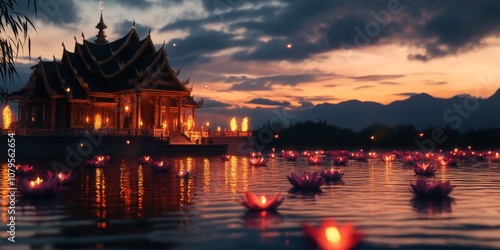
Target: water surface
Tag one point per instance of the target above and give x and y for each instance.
(127, 206)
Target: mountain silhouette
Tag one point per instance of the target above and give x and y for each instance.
(460, 112)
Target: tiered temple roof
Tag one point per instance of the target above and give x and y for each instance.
(126, 64)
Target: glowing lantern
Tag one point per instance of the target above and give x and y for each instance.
(126, 108)
(206, 86)
(7, 117)
(36, 182)
(233, 124)
(289, 46)
(98, 121)
(244, 124)
(330, 236)
(218, 128)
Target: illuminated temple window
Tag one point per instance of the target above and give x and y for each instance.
(7, 117)
(98, 122)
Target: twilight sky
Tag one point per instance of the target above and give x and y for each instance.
(378, 50)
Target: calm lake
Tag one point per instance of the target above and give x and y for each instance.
(127, 206)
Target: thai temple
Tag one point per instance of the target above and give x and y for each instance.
(121, 84)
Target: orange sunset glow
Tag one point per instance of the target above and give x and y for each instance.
(275, 57)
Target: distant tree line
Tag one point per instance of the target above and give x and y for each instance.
(311, 135)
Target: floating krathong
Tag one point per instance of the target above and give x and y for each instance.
(388, 157)
(446, 161)
(329, 236)
(160, 166)
(39, 187)
(253, 202)
(97, 161)
(495, 158)
(257, 161)
(145, 160)
(340, 160)
(426, 169)
(434, 189)
(332, 175)
(24, 169)
(359, 157)
(291, 155)
(184, 174)
(225, 157)
(63, 178)
(307, 181)
(314, 160)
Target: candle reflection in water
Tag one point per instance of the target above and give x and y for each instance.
(140, 191)
(125, 189)
(186, 186)
(206, 175)
(100, 197)
(5, 193)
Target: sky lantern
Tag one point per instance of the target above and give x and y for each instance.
(244, 124)
(233, 124)
(289, 46)
(7, 117)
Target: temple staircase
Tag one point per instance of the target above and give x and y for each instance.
(176, 138)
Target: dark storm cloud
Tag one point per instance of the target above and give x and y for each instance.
(141, 4)
(60, 13)
(129, 3)
(375, 78)
(200, 44)
(268, 102)
(435, 28)
(457, 26)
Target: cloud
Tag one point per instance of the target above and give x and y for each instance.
(436, 29)
(375, 78)
(364, 87)
(211, 104)
(59, 13)
(268, 102)
(124, 26)
(438, 83)
(330, 85)
(408, 94)
(389, 83)
(267, 82)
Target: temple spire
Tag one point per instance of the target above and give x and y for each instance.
(101, 26)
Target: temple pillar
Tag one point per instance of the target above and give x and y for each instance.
(194, 117)
(159, 121)
(168, 117)
(138, 105)
(179, 114)
(133, 113)
(118, 112)
(71, 115)
(53, 113)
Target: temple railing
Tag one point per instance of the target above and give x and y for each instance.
(124, 131)
(81, 131)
